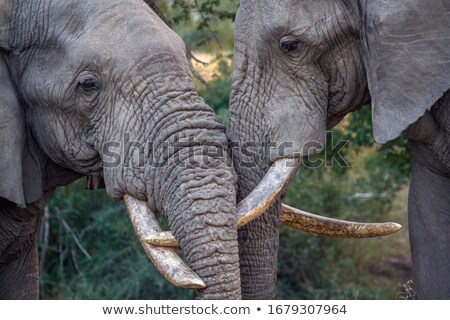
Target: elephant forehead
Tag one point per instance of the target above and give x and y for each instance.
(280, 17)
(110, 25)
(131, 23)
(122, 33)
(273, 10)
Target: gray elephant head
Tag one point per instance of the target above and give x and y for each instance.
(301, 66)
(103, 88)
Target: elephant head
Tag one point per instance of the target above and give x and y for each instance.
(301, 66)
(103, 88)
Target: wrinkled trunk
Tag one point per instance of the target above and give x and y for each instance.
(259, 240)
(258, 243)
(202, 215)
(187, 176)
(196, 191)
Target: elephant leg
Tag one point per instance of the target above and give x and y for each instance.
(19, 267)
(429, 224)
(19, 279)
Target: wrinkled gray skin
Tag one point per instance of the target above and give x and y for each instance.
(78, 74)
(301, 66)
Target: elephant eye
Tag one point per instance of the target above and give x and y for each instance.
(289, 47)
(88, 85)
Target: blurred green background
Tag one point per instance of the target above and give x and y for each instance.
(88, 249)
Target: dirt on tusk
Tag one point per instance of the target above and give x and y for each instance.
(162, 239)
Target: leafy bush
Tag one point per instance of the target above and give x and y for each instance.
(317, 267)
(91, 251)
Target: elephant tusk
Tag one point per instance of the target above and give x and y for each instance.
(162, 239)
(255, 204)
(312, 223)
(267, 191)
(307, 222)
(271, 187)
(166, 260)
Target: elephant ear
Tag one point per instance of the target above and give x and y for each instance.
(20, 177)
(406, 56)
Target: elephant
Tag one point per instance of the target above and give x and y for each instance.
(300, 68)
(103, 89)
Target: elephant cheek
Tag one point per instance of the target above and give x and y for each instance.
(295, 129)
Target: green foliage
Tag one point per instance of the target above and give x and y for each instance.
(317, 267)
(203, 24)
(92, 252)
(391, 164)
(207, 11)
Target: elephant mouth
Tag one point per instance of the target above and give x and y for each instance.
(159, 245)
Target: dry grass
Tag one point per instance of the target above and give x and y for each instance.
(407, 292)
(387, 260)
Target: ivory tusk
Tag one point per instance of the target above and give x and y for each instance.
(254, 205)
(267, 191)
(307, 222)
(162, 239)
(312, 223)
(275, 182)
(166, 260)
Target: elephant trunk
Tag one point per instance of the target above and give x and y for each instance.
(258, 240)
(177, 161)
(202, 216)
(196, 191)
